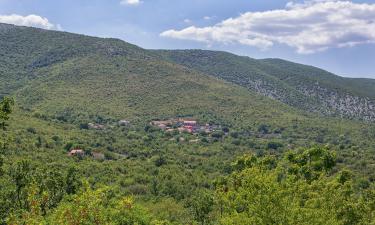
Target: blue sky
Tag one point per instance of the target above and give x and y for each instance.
(328, 37)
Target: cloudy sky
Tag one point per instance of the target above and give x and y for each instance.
(335, 35)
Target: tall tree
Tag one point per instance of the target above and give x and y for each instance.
(5, 109)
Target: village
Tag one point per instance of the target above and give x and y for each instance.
(181, 125)
(188, 125)
(172, 125)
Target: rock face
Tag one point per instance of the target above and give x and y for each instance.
(318, 99)
(341, 104)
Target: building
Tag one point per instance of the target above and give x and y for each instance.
(191, 123)
(162, 124)
(76, 152)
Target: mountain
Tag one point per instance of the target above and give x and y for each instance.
(39, 60)
(74, 79)
(300, 86)
(26, 50)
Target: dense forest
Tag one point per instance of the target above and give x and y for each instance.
(99, 131)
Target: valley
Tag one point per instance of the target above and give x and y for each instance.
(137, 136)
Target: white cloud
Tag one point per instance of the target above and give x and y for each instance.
(309, 27)
(30, 21)
(207, 18)
(131, 2)
(187, 21)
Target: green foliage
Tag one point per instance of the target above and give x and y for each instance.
(85, 208)
(5, 109)
(64, 81)
(73, 182)
(311, 163)
(259, 194)
(304, 87)
(202, 204)
(274, 145)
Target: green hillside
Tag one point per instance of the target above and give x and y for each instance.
(25, 50)
(141, 174)
(75, 79)
(304, 87)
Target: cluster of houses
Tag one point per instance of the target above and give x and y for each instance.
(184, 125)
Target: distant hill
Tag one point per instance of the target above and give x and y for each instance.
(76, 78)
(304, 87)
(24, 51)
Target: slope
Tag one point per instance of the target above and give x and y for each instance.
(73, 79)
(304, 87)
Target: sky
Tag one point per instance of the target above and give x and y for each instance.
(336, 35)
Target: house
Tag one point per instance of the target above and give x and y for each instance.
(192, 123)
(185, 129)
(162, 124)
(76, 152)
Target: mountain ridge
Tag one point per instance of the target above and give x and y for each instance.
(28, 54)
(304, 87)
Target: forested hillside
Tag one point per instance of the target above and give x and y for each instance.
(87, 138)
(304, 87)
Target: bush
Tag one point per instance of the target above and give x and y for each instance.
(31, 130)
(274, 145)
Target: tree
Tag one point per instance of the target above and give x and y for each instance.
(264, 129)
(274, 145)
(21, 177)
(202, 204)
(72, 181)
(260, 191)
(311, 162)
(5, 109)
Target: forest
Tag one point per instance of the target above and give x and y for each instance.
(295, 187)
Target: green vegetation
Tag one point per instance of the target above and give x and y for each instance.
(290, 166)
(298, 189)
(303, 87)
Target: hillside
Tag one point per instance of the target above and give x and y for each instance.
(75, 79)
(304, 87)
(71, 91)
